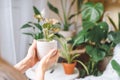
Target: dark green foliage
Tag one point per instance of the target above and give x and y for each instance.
(93, 35)
(36, 11)
(114, 37)
(95, 53)
(53, 8)
(92, 12)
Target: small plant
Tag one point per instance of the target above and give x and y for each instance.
(67, 15)
(69, 54)
(43, 28)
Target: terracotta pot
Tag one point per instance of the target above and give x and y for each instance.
(43, 47)
(69, 68)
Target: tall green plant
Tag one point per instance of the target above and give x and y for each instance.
(93, 35)
(67, 16)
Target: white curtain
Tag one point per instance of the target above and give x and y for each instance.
(6, 31)
(13, 14)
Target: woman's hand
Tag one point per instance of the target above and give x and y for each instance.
(46, 62)
(32, 57)
(30, 60)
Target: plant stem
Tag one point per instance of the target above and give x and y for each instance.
(93, 65)
(69, 10)
(65, 18)
(46, 34)
(119, 21)
(84, 66)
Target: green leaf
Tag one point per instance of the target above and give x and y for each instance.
(95, 53)
(119, 21)
(116, 66)
(72, 3)
(100, 30)
(73, 15)
(111, 36)
(106, 47)
(79, 4)
(112, 22)
(26, 26)
(92, 12)
(84, 66)
(38, 36)
(52, 8)
(36, 11)
(58, 35)
(82, 73)
(47, 25)
(114, 37)
(79, 38)
(38, 26)
(88, 25)
(103, 25)
(74, 56)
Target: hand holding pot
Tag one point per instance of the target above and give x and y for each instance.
(44, 47)
(30, 60)
(46, 62)
(32, 53)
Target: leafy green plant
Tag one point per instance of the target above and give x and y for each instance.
(114, 35)
(69, 54)
(93, 35)
(43, 28)
(92, 12)
(67, 16)
(116, 66)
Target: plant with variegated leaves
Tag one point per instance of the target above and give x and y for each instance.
(42, 29)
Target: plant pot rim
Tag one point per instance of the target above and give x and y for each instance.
(44, 40)
(69, 63)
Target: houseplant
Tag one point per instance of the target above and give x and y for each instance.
(94, 35)
(44, 31)
(67, 15)
(70, 56)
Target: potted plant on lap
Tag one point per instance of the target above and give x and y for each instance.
(44, 31)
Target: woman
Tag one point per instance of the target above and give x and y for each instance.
(8, 72)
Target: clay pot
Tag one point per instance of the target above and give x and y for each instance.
(69, 68)
(43, 47)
